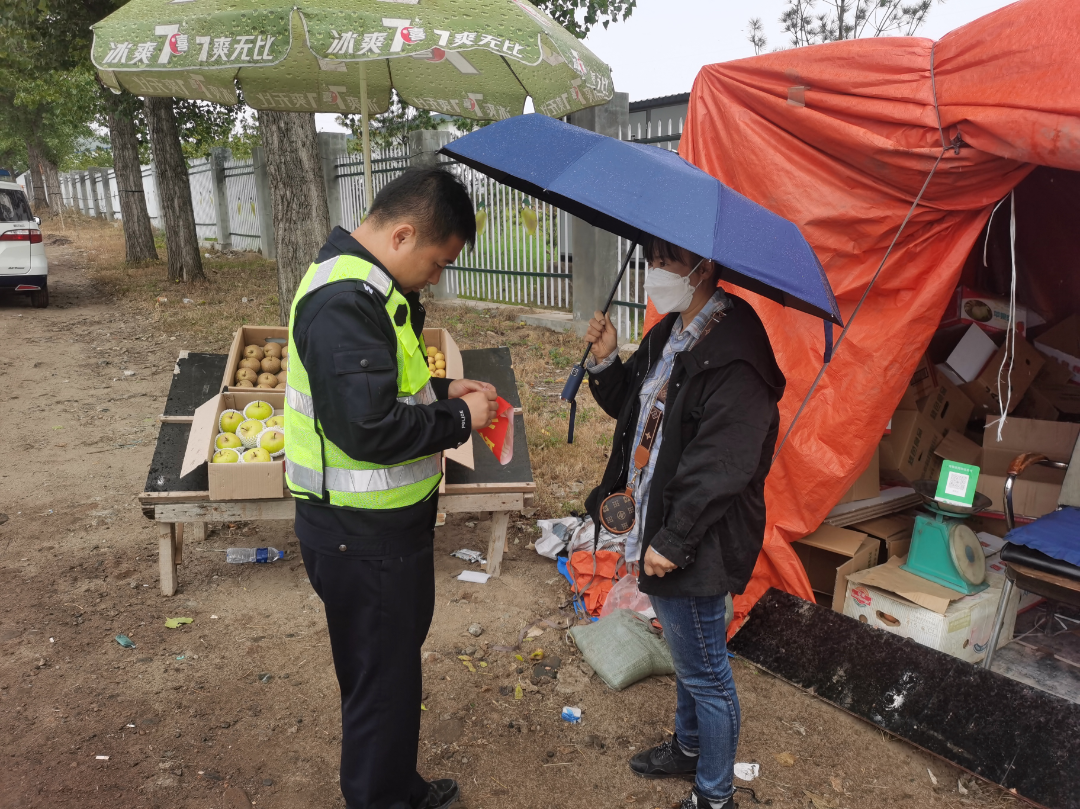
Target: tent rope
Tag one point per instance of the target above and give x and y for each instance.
(933, 89)
(866, 292)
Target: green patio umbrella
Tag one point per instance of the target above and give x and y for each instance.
(471, 58)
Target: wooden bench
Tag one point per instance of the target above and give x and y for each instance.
(181, 506)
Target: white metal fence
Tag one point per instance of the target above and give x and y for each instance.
(200, 177)
(386, 164)
(523, 251)
(243, 202)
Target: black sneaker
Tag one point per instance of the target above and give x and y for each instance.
(442, 792)
(666, 760)
(695, 801)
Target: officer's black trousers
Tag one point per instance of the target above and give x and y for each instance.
(378, 611)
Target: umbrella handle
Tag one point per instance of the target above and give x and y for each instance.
(577, 373)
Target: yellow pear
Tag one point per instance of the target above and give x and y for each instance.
(226, 456)
(276, 421)
(227, 441)
(248, 432)
(257, 455)
(273, 441)
(230, 420)
(258, 410)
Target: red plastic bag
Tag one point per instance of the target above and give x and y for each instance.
(499, 435)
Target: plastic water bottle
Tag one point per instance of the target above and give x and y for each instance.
(238, 556)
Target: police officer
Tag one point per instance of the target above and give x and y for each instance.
(366, 424)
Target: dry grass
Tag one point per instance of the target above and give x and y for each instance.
(542, 358)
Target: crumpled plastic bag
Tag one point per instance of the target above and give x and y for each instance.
(573, 533)
(625, 595)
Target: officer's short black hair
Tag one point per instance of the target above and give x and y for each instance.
(433, 200)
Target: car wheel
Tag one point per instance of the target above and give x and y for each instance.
(40, 298)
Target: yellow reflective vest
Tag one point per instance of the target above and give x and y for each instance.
(314, 465)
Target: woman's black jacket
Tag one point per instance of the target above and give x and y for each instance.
(706, 508)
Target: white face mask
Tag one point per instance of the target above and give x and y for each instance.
(670, 292)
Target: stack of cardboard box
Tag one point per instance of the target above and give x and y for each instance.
(955, 393)
(950, 411)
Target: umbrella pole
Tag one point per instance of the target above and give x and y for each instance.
(577, 373)
(365, 137)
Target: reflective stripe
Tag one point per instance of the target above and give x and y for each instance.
(303, 477)
(377, 278)
(380, 480)
(300, 402)
(322, 273)
(380, 280)
(424, 396)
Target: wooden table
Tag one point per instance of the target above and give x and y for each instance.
(181, 506)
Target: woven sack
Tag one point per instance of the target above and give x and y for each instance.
(622, 648)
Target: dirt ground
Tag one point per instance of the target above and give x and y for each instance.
(244, 700)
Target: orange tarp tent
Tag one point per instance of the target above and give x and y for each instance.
(839, 138)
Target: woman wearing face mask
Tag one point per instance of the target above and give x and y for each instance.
(697, 421)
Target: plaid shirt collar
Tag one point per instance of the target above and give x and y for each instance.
(719, 302)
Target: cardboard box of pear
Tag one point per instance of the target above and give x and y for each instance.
(257, 478)
(258, 358)
(255, 435)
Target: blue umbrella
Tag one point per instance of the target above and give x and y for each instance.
(634, 190)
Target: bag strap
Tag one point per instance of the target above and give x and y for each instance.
(656, 412)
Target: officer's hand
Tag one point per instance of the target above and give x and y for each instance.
(601, 333)
(481, 408)
(459, 387)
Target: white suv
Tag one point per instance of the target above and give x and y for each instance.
(23, 267)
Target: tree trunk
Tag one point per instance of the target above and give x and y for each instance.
(37, 193)
(138, 234)
(52, 186)
(174, 192)
(297, 194)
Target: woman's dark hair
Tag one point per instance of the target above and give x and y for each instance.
(433, 200)
(657, 249)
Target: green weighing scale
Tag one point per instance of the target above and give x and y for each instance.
(943, 548)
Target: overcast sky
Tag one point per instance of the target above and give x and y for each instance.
(660, 49)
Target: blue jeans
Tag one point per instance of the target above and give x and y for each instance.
(707, 714)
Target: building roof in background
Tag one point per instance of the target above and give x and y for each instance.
(659, 101)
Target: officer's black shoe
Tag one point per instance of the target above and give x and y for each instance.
(442, 792)
(697, 801)
(666, 760)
